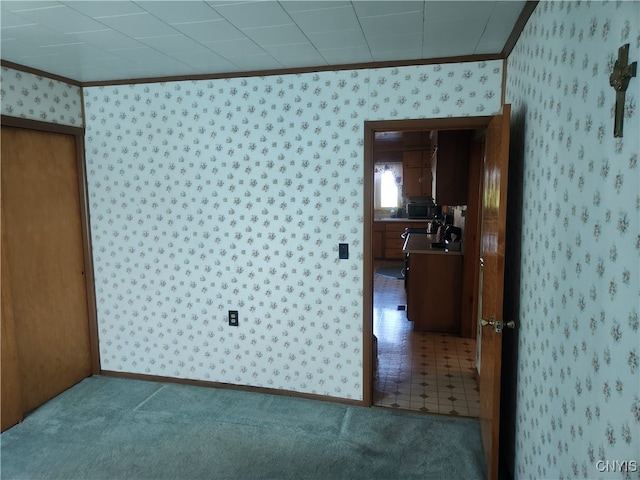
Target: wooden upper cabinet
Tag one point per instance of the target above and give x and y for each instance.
(435, 162)
(417, 174)
(453, 153)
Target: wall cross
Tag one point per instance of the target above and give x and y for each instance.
(619, 80)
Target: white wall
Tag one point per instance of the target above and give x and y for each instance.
(578, 373)
(209, 196)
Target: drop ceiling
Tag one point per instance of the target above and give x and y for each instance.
(102, 41)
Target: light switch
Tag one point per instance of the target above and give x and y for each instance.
(343, 251)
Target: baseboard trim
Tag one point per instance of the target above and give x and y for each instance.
(230, 386)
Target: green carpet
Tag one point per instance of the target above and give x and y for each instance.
(113, 428)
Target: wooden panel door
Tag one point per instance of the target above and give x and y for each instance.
(43, 253)
(494, 213)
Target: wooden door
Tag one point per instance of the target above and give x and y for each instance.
(491, 289)
(43, 267)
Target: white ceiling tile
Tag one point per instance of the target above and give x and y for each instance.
(187, 36)
(178, 12)
(303, 54)
(254, 14)
(62, 19)
(488, 47)
(173, 68)
(263, 61)
(210, 31)
(392, 56)
(11, 20)
(107, 39)
(468, 33)
(306, 5)
(36, 35)
(205, 60)
(172, 44)
(499, 27)
(342, 56)
(22, 6)
(143, 55)
(378, 8)
(411, 42)
(384, 25)
(442, 11)
(138, 25)
(338, 39)
(77, 50)
(235, 48)
(100, 9)
(326, 20)
(276, 35)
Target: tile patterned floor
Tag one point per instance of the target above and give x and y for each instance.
(427, 372)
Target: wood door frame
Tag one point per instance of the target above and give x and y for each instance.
(78, 134)
(370, 127)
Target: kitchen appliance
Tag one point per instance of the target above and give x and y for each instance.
(423, 210)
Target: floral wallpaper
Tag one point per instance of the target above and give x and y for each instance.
(578, 391)
(30, 96)
(210, 196)
(223, 195)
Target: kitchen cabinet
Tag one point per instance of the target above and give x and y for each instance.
(378, 240)
(417, 173)
(393, 242)
(452, 165)
(434, 287)
(387, 242)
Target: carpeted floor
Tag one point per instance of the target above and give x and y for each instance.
(112, 428)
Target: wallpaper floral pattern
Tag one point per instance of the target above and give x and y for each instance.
(210, 196)
(233, 194)
(30, 96)
(578, 374)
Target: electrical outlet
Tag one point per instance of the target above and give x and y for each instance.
(233, 318)
(343, 251)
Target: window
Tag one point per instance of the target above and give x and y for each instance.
(387, 183)
(388, 190)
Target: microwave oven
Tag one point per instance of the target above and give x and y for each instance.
(423, 210)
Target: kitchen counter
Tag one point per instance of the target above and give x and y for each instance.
(421, 243)
(434, 285)
(403, 220)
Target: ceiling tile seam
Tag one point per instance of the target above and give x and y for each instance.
(108, 51)
(229, 58)
(313, 9)
(35, 9)
(144, 45)
(120, 15)
(304, 34)
(195, 22)
(88, 31)
(424, 22)
(19, 26)
(53, 45)
(179, 34)
(475, 49)
(362, 31)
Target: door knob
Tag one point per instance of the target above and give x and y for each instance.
(498, 325)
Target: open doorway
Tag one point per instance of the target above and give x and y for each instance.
(420, 371)
(427, 371)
